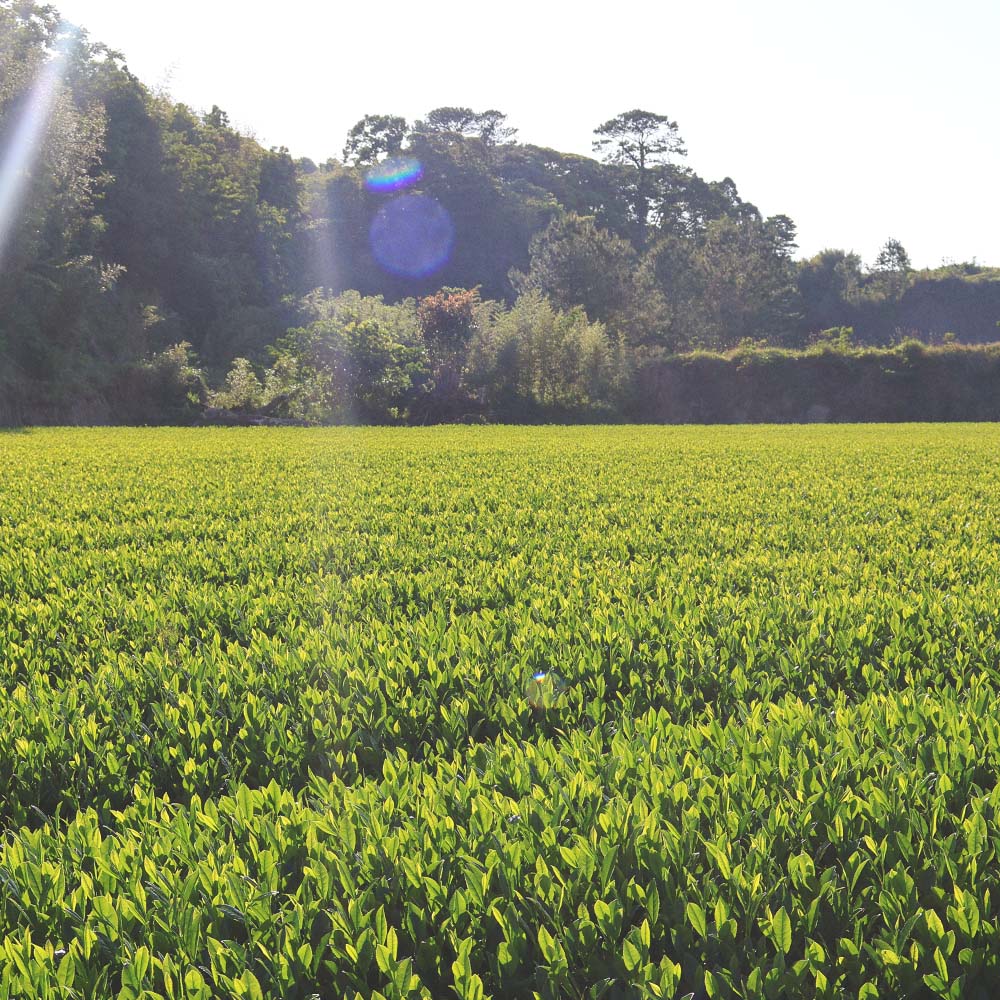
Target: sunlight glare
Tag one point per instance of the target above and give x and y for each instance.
(23, 143)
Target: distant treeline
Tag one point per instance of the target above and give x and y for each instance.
(157, 262)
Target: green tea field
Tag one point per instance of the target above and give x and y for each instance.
(500, 712)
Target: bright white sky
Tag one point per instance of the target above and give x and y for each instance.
(860, 119)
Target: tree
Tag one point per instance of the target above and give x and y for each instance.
(640, 141)
(493, 128)
(217, 118)
(748, 283)
(734, 281)
(444, 120)
(890, 274)
(537, 361)
(574, 263)
(684, 204)
(51, 139)
(892, 257)
(489, 126)
(373, 138)
(359, 360)
(61, 319)
(780, 231)
(829, 286)
(448, 319)
(242, 389)
(540, 180)
(491, 231)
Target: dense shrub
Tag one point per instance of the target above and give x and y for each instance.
(167, 388)
(829, 381)
(359, 361)
(535, 361)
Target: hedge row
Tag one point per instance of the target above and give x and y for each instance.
(909, 382)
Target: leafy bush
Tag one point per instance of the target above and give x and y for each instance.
(360, 360)
(534, 360)
(242, 389)
(169, 387)
(448, 321)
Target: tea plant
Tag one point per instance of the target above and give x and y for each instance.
(497, 712)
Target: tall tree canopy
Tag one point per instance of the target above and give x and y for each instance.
(375, 137)
(640, 141)
(489, 126)
(892, 257)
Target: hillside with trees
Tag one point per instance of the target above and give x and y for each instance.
(156, 263)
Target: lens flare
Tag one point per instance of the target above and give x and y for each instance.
(24, 140)
(412, 236)
(394, 174)
(543, 689)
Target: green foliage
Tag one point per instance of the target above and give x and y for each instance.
(833, 379)
(269, 727)
(489, 126)
(135, 205)
(535, 361)
(168, 387)
(733, 280)
(58, 185)
(893, 257)
(448, 320)
(373, 138)
(640, 142)
(829, 284)
(960, 298)
(574, 263)
(840, 337)
(639, 138)
(242, 389)
(360, 360)
(747, 283)
(143, 224)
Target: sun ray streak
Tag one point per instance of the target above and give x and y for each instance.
(25, 140)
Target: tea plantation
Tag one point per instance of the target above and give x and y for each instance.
(500, 712)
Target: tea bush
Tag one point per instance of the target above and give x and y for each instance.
(271, 723)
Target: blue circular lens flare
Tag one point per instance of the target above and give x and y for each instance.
(412, 236)
(394, 174)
